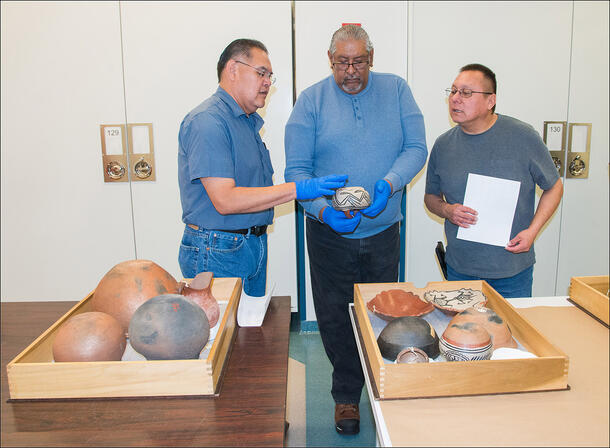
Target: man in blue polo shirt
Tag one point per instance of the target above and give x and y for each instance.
(225, 174)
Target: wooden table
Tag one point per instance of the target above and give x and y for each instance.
(250, 410)
(575, 417)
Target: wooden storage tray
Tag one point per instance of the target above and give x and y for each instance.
(33, 375)
(439, 379)
(590, 294)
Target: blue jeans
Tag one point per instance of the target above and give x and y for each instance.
(336, 263)
(519, 285)
(226, 255)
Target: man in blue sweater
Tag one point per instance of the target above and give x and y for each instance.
(367, 125)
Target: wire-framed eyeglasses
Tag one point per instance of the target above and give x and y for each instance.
(261, 72)
(464, 93)
(357, 65)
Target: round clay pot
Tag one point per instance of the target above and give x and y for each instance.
(169, 326)
(128, 285)
(91, 336)
(499, 331)
(411, 355)
(397, 303)
(200, 292)
(407, 331)
(465, 342)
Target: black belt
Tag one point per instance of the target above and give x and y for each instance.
(254, 230)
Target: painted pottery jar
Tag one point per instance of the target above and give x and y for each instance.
(465, 341)
(128, 285)
(350, 198)
(169, 326)
(497, 328)
(397, 303)
(407, 331)
(90, 336)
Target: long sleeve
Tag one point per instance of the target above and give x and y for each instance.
(299, 144)
(412, 157)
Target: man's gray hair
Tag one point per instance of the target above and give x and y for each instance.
(350, 32)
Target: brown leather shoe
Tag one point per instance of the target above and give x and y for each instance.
(347, 418)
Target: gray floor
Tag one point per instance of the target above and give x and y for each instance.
(309, 380)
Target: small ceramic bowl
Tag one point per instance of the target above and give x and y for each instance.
(453, 302)
(411, 355)
(465, 342)
(395, 303)
(351, 198)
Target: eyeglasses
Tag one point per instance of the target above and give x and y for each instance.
(358, 65)
(464, 93)
(261, 72)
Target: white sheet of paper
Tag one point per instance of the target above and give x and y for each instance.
(251, 310)
(495, 200)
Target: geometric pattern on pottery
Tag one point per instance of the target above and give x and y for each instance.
(351, 198)
(458, 300)
(453, 352)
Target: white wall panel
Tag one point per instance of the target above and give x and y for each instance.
(171, 50)
(62, 226)
(527, 45)
(584, 224)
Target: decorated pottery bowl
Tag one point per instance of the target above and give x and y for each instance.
(351, 198)
(397, 303)
(407, 331)
(497, 328)
(411, 355)
(453, 302)
(465, 342)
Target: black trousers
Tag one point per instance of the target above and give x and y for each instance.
(336, 263)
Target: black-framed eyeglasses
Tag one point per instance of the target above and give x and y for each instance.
(358, 65)
(261, 72)
(464, 93)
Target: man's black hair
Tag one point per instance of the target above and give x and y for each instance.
(235, 48)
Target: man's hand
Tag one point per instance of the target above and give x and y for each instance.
(340, 222)
(319, 186)
(460, 215)
(521, 242)
(383, 190)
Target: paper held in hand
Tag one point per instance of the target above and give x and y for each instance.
(251, 310)
(495, 201)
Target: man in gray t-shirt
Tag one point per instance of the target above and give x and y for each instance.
(499, 146)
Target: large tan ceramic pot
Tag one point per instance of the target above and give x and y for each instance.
(128, 285)
(90, 336)
(497, 328)
(169, 326)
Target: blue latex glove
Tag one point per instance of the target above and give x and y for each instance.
(319, 186)
(339, 222)
(380, 200)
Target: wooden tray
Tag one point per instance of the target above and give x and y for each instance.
(33, 375)
(590, 294)
(439, 379)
